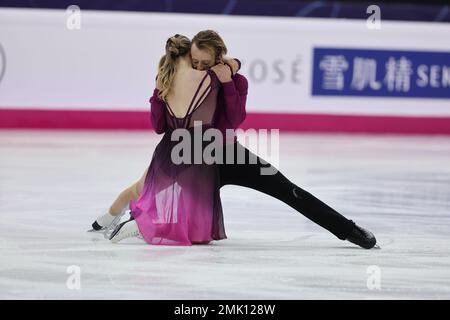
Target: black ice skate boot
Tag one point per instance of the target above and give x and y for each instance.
(362, 237)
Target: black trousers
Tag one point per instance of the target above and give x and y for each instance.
(248, 174)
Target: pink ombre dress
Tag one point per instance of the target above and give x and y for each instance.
(180, 203)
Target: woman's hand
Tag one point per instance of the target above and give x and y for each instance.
(222, 71)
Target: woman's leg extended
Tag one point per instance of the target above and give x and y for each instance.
(120, 204)
(278, 186)
(130, 193)
(122, 200)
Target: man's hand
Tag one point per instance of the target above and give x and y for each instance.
(223, 72)
(233, 64)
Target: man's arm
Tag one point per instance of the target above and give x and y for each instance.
(235, 89)
(234, 64)
(235, 93)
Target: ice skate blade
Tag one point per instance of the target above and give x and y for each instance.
(127, 229)
(97, 231)
(110, 229)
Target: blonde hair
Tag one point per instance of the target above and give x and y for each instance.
(176, 46)
(211, 41)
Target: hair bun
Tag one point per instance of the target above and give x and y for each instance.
(174, 51)
(177, 45)
(173, 45)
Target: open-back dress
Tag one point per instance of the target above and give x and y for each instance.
(180, 203)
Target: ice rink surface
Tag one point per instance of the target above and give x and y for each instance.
(53, 184)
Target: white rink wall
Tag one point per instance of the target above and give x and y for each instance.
(110, 62)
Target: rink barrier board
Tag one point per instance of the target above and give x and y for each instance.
(140, 120)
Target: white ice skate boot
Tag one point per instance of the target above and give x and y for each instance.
(107, 222)
(125, 230)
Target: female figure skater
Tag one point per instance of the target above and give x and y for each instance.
(207, 49)
(180, 202)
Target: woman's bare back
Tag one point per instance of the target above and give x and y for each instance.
(184, 87)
